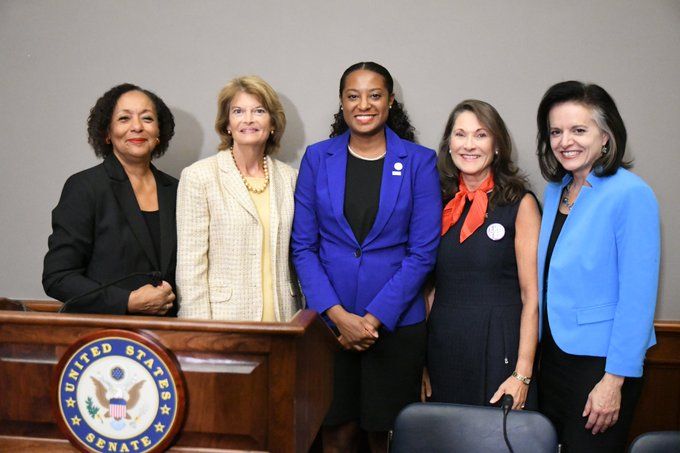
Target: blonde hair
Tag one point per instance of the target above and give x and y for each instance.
(257, 87)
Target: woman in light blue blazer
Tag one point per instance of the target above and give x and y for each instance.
(365, 235)
(599, 258)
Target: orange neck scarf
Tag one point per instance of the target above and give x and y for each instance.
(477, 212)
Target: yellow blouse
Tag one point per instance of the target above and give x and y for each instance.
(261, 201)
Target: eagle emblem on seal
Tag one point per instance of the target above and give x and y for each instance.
(118, 394)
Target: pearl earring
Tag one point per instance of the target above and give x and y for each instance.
(604, 149)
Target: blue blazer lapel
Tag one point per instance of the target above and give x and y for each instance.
(391, 182)
(549, 212)
(336, 171)
(551, 202)
(553, 198)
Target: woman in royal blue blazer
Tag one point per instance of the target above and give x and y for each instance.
(599, 257)
(365, 235)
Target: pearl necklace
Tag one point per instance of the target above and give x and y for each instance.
(354, 153)
(245, 181)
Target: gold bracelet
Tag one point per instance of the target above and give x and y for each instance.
(519, 377)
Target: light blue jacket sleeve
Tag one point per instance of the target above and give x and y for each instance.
(637, 235)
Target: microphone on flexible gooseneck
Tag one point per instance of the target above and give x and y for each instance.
(155, 281)
(506, 404)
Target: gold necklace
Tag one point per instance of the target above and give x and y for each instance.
(245, 181)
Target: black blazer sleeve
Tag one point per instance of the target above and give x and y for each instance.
(65, 271)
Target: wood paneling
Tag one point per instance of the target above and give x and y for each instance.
(249, 386)
(214, 381)
(659, 406)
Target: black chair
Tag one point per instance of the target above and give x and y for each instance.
(451, 428)
(656, 442)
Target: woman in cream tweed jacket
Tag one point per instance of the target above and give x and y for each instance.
(220, 273)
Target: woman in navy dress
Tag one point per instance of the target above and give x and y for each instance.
(483, 326)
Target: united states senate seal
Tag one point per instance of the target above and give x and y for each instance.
(118, 391)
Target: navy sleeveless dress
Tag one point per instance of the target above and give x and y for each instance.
(473, 329)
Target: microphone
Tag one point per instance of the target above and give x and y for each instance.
(155, 276)
(506, 404)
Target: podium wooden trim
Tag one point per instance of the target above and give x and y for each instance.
(250, 386)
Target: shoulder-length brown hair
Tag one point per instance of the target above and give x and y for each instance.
(605, 114)
(509, 184)
(257, 87)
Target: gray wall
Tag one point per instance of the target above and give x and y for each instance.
(57, 57)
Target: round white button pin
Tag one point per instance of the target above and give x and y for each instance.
(495, 231)
(398, 166)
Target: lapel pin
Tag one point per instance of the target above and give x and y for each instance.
(495, 231)
(397, 169)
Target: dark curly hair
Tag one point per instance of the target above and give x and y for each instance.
(398, 118)
(509, 184)
(606, 116)
(99, 121)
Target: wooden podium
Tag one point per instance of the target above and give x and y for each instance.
(249, 386)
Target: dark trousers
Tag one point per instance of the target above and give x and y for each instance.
(565, 380)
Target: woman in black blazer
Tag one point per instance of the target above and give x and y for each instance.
(118, 218)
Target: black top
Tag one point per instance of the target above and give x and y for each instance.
(554, 234)
(362, 194)
(153, 223)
